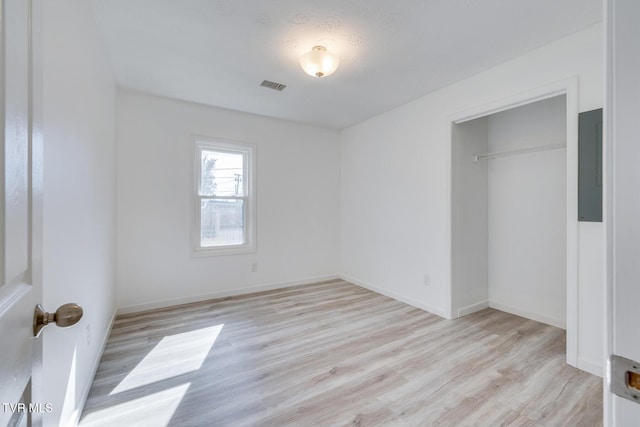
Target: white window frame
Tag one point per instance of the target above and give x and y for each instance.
(248, 152)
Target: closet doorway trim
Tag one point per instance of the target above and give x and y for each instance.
(569, 88)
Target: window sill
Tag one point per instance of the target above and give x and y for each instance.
(222, 250)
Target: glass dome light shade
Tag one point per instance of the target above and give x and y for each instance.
(319, 62)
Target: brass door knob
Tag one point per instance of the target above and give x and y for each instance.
(66, 315)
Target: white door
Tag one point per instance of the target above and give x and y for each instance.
(20, 207)
(623, 242)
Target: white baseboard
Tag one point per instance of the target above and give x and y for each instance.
(591, 367)
(395, 296)
(96, 364)
(222, 294)
(542, 318)
(473, 308)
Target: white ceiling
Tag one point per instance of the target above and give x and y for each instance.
(217, 52)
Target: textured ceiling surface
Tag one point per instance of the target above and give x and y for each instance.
(217, 52)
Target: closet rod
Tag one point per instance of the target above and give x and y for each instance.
(517, 151)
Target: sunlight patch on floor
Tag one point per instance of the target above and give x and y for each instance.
(174, 355)
(155, 409)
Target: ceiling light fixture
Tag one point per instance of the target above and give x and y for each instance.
(319, 62)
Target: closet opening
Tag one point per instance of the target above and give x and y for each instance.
(511, 239)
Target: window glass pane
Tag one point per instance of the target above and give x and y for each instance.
(221, 222)
(222, 174)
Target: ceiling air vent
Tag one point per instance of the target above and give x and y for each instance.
(272, 85)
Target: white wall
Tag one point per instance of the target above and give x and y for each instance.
(528, 214)
(470, 222)
(297, 189)
(79, 201)
(394, 196)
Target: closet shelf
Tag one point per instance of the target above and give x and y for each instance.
(489, 156)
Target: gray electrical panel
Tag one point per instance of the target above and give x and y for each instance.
(590, 166)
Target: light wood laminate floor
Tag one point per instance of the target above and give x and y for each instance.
(334, 354)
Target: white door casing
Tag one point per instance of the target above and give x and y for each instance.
(20, 205)
(568, 88)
